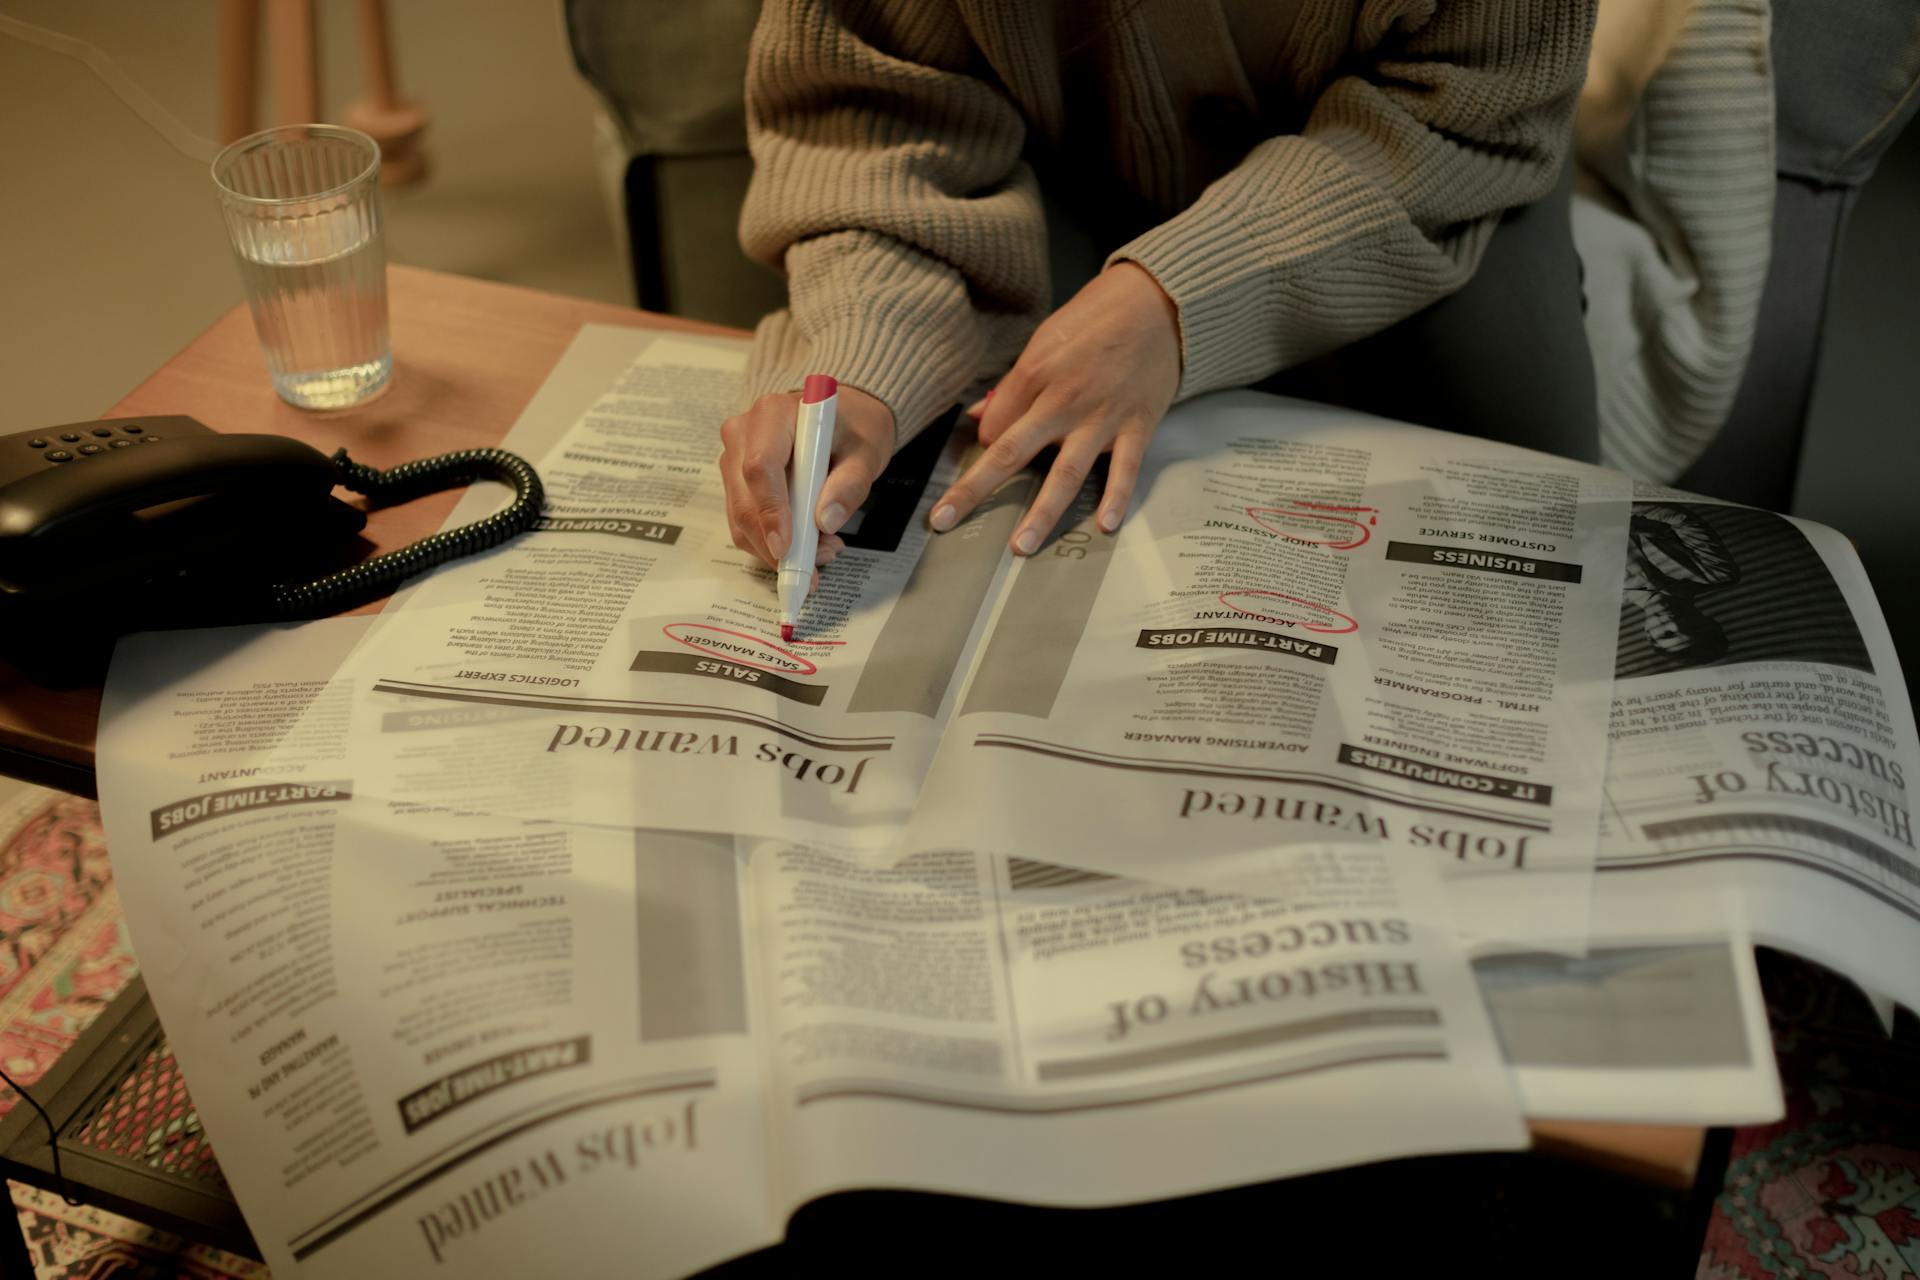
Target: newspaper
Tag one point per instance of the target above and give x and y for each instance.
(425, 1040)
(563, 888)
(1317, 630)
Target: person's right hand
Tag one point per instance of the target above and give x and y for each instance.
(757, 446)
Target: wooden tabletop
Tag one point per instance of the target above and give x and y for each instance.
(468, 355)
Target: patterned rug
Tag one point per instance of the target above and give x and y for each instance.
(63, 958)
(1833, 1190)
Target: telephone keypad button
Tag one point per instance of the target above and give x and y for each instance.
(120, 444)
(68, 436)
(38, 442)
(153, 440)
(90, 448)
(103, 431)
(132, 429)
(59, 455)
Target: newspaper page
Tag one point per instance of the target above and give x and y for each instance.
(1762, 737)
(1028, 1031)
(622, 664)
(451, 1037)
(1316, 630)
(422, 1041)
(1367, 631)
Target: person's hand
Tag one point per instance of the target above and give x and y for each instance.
(756, 447)
(1096, 377)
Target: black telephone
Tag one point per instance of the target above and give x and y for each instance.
(158, 522)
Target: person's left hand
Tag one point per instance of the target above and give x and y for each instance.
(1097, 376)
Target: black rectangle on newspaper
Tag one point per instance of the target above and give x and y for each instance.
(1440, 775)
(617, 526)
(1236, 638)
(478, 1079)
(174, 818)
(718, 668)
(1483, 560)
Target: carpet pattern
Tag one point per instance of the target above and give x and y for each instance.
(1833, 1189)
(64, 956)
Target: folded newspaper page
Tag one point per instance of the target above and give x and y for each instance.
(451, 1038)
(1763, 738)
(1316, 630)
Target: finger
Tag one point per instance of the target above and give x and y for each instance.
(828, 551)
(848, 482)
(1001, 460)
(741, 526)
(1069, 471)
(1123, 471)
(764, 452)
(999, 413)
(979, 407)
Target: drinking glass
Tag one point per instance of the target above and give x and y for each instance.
(302, 205)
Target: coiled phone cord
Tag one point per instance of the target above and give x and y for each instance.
(371, 579)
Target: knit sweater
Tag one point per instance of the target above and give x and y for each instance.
(1295, 175)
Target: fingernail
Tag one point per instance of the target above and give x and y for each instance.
(1028, 540)
(988, 398)
(1109, 521)
(944, 517)
(832, 518)
(776, 543)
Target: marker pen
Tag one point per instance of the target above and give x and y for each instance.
(812, 446)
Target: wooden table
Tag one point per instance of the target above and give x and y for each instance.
(468, 355)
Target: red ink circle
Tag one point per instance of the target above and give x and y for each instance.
(801, 668)
(1295, 511)
(1351, 625)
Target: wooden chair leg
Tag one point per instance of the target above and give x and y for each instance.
(239, 68)
(383, 115)
(296, 94)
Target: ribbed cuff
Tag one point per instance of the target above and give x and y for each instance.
(877, 315)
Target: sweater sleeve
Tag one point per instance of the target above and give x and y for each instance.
(888, 186)
(1450, 114)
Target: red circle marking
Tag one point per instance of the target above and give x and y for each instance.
(804, 668)
(1351, 625)
(1254, 513)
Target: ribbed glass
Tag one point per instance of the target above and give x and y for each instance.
(302, 205)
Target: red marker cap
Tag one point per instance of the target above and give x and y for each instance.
(818, 387)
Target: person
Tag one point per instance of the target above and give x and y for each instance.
(1672, 558)
(1280, 190)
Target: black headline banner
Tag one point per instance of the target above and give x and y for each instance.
(640, 530)
(1484, 561)
(478, 1079)
(176, 817)
(719, 668)
(1237, 638)
(1439, 775)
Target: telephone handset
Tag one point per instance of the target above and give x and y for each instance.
(158, 522)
